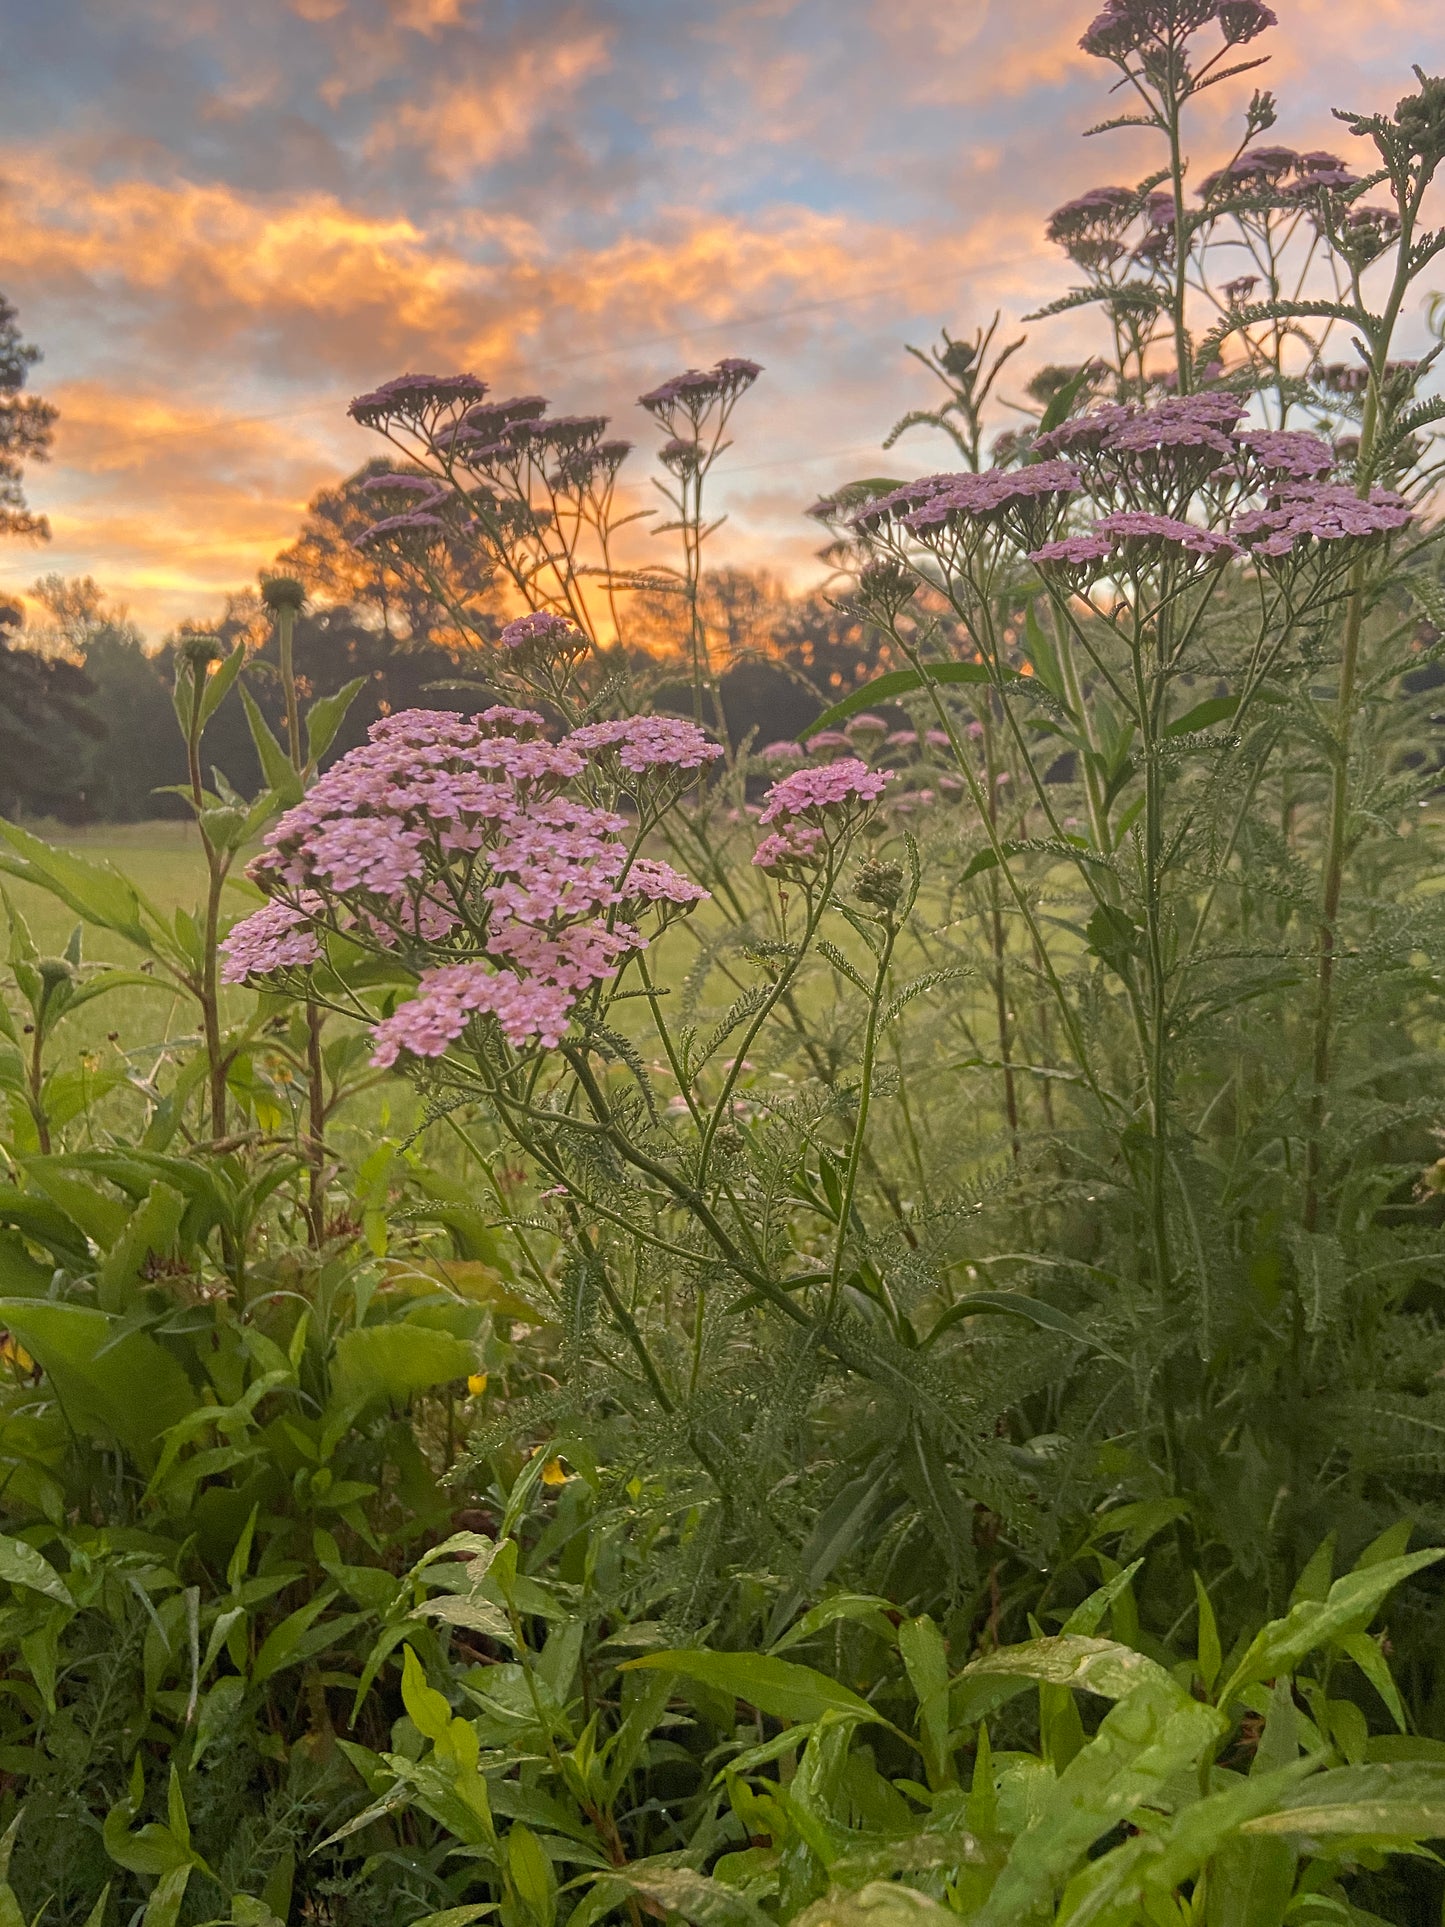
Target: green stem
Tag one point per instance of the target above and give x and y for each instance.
(860, 1121)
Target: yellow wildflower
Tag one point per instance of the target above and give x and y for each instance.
(554, 1473)
(477, 1384)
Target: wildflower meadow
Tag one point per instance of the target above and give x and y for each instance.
(652, 1305)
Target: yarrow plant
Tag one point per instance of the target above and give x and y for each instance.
(474, 843)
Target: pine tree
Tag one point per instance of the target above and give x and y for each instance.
(27, 424)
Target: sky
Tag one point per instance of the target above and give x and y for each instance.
(219, 221)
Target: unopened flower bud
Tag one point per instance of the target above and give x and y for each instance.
(879, 883)
(282, 592)
(958, 357)
(198, 652)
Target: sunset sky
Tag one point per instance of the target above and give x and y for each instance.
(221, 219)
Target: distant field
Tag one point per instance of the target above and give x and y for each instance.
(164, 862)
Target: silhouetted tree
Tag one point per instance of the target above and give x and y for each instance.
(26, 426)
(46, 726)
(335, 572)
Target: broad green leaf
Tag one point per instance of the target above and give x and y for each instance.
(246, 1911)
(925, 1660)
(1349, 1606)
(101, 1217)
(426, 1707)
(903, 682)
(94, 891)
(881, 1903)
(1218, 709)
(694, 1896)
(778, 1687)
(1099, 1666)
(151, 1232)
(1210, 1655)
(532, 1874)
(164, 1906)
(1088, 1615)
(21, 1276)
(476, 1614)
(1109, 1891)
(868, 1608)
(22, 1565)
(395, 1362)
(1142, 1743)
(218, 683)
(276, 766)
(96, 1371)
(458, 1916)
(43, 1222)
(298, 1638)
(326, 715)
(1404, 1801)
(1012, 1304)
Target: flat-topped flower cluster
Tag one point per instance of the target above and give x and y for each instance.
(1180, 482)
(491, 858)
(812, 807)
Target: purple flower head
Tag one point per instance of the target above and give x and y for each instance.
(1320, 512)
(643, 743)
(1159, 209)
(1244, 20)
(737, 371)
(1085, 434)
(833, 789)
(423, 489)
(411, 396)
(1088, 228)
(1238, 291)
(280, 936)
(504, 721)
(791, 851)
(564, 433)
(866, 730)
(1291, 453)
(448, 999)
(490, 420)
(783, 751)
(1077, 555)
(1141, 535)
(902, 739)
(1265, 164)
(656, 882)
(1129, 26)
(826, 741)
(681, 454)
(1344, 377)
(1176, 433)
(696, 388)
(908, 495)
(966, 496)
(544, 634)
(394, 530)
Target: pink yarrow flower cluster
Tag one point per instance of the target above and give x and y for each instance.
(1320, 512)
(465, 835)
(282, 936)
(810, 801)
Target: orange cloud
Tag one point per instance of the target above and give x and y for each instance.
(461, 125)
